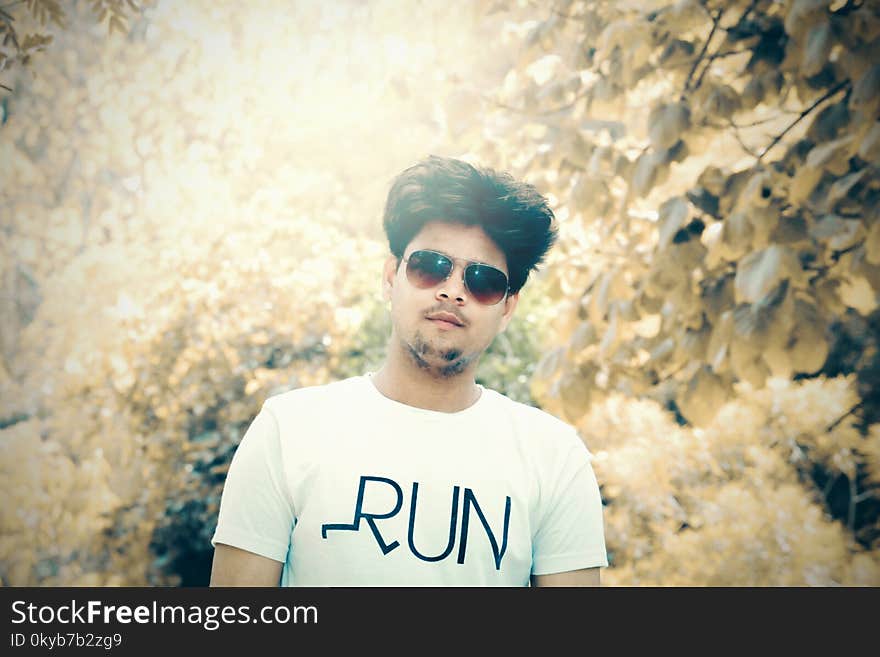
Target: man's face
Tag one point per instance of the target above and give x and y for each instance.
(443, 348)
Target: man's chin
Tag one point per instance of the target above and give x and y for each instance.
(441, 363)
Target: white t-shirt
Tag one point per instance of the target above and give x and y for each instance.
(347, 487)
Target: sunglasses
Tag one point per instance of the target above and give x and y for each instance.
(487, 284)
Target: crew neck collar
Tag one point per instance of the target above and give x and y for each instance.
(482, 400)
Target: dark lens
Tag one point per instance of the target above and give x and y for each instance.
(426, 269)
(487, 284)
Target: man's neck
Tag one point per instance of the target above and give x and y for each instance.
(403, 381)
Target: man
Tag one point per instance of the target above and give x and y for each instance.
(415, 475)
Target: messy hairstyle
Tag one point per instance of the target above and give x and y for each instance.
(513, 214)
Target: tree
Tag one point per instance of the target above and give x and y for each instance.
(715, 167)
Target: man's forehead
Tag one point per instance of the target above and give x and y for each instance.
(460, 241)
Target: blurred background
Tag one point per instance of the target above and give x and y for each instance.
(190, 203)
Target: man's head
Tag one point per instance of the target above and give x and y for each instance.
(455, 233)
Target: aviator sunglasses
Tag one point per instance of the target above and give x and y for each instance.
(487, 284)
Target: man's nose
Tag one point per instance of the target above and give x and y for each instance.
(453, 287)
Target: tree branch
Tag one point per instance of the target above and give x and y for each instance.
(834, 424)
(739, 140)
(828, 94)
(734, 129)
(758, 122)
(748, 11)
(719, 54)
(687, 82)
(828, 486)
(864, 495)
(520, 110)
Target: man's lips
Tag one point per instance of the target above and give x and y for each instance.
(446, 319)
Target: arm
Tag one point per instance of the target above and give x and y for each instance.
(584, 577)
(235, 567)
(569, 544)
(256, 514)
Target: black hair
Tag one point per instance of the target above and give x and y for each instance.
(513, 214)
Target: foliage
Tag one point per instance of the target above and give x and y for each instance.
(715, 166)
(17, 18)
(193, 225)
(732, 503)
(164, 288)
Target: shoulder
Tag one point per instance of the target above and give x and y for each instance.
(545, 428)
(293, 404)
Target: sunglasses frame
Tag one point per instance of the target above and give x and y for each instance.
(453, 261)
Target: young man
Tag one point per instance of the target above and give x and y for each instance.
(415, 475)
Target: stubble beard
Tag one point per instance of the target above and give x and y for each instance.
(455, 361)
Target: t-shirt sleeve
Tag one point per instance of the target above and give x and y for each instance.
(256, 510)
(571, 533)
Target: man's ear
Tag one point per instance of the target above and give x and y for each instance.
(509, 306)
(389, 274)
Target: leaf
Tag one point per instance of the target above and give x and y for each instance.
(648, 326)
(804, 181)
(577, 148)
(865, 96)
(667, 124)
(764, 220)
(591, 197)
(869, 147)
(662, 351)
(702, 397)
(583, 336)
(35, 42)
(703, 200)
(713, 180)
(840, 190)
(817, 49)
(673, 215)
(736, 236)
(611, 336)
(716, 295)
(836, 232)
(810, 347)
(646, 173)
(718, 349)
(694, 342)
(753, 93)
(545, 68)
(631, 36)
(872, 243)
(790, 230)
(676, 53)
(117, 23)
(803, 15)
(856, 292)
(833, 156)
(779, 362)
(545, 371)
(865, 24)
(574, 392)
(767, 322)
(828, 123)
(760, 272)
(746, 362)
(711, 239)
(860, 266)
(826, 296)
(722, 103)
